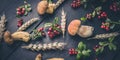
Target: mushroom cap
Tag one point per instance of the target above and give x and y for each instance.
(85, 31)
(41, 7)
(74, 26)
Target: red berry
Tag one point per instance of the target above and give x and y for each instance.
(107, 28)
(102, 26)
(40, 29)
(22, 12)
(73, 52)
(18, 9)
(70, 53)
(19, 13)
(99, 17)
(23, 9)
(51, 36)
(72, 49)
(50, 29)
(49, 33)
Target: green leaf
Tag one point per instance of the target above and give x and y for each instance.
(98, 8)
(28, 5)
(88, 50)
(83, 18)
(81, 46)
(93, 14)
(112, 46)
(102, 43)
(55, 20)
(26, 13)
(119, 21)
(111, 39)
(101, 50)
(78, 57)
(85, 6)
(86, 53)
(112, 26)
(108, 20)
(47, 25)
(97, 51)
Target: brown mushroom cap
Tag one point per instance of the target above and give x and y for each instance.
(74, 26)
(7, 38)
(41, 7)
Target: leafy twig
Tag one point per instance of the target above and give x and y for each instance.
(82, 51)
(99, 49)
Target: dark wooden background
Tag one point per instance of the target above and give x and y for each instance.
(15, 52)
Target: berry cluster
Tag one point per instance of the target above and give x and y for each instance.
(105, 26)
(72, 51)
(19, 22)
(23, 10)
(75, 3)
(114, 7)
(41, 30)
(54, 30)
(20, 11)
(38, 33)
(102, 15)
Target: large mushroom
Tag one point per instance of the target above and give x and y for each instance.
(85, 31)
(75, 27)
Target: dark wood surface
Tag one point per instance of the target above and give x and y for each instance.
(15, 52)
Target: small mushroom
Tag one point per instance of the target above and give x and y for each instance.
(50, 8)
(38, 57)
(7, 38)
(42, 6)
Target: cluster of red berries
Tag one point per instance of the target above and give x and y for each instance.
(19, 22)
(114, 7)
(105, 26)
(54, 30)
(75, 3)
(72, 51)
(20, 11)
(41, 30)
(102, 15)
(89, 16)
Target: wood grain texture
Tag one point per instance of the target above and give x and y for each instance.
(9, 7)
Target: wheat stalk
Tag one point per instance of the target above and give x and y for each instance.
(27, 24)
(63, 22)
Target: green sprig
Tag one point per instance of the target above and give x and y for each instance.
(82, 51)
(108, 44)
